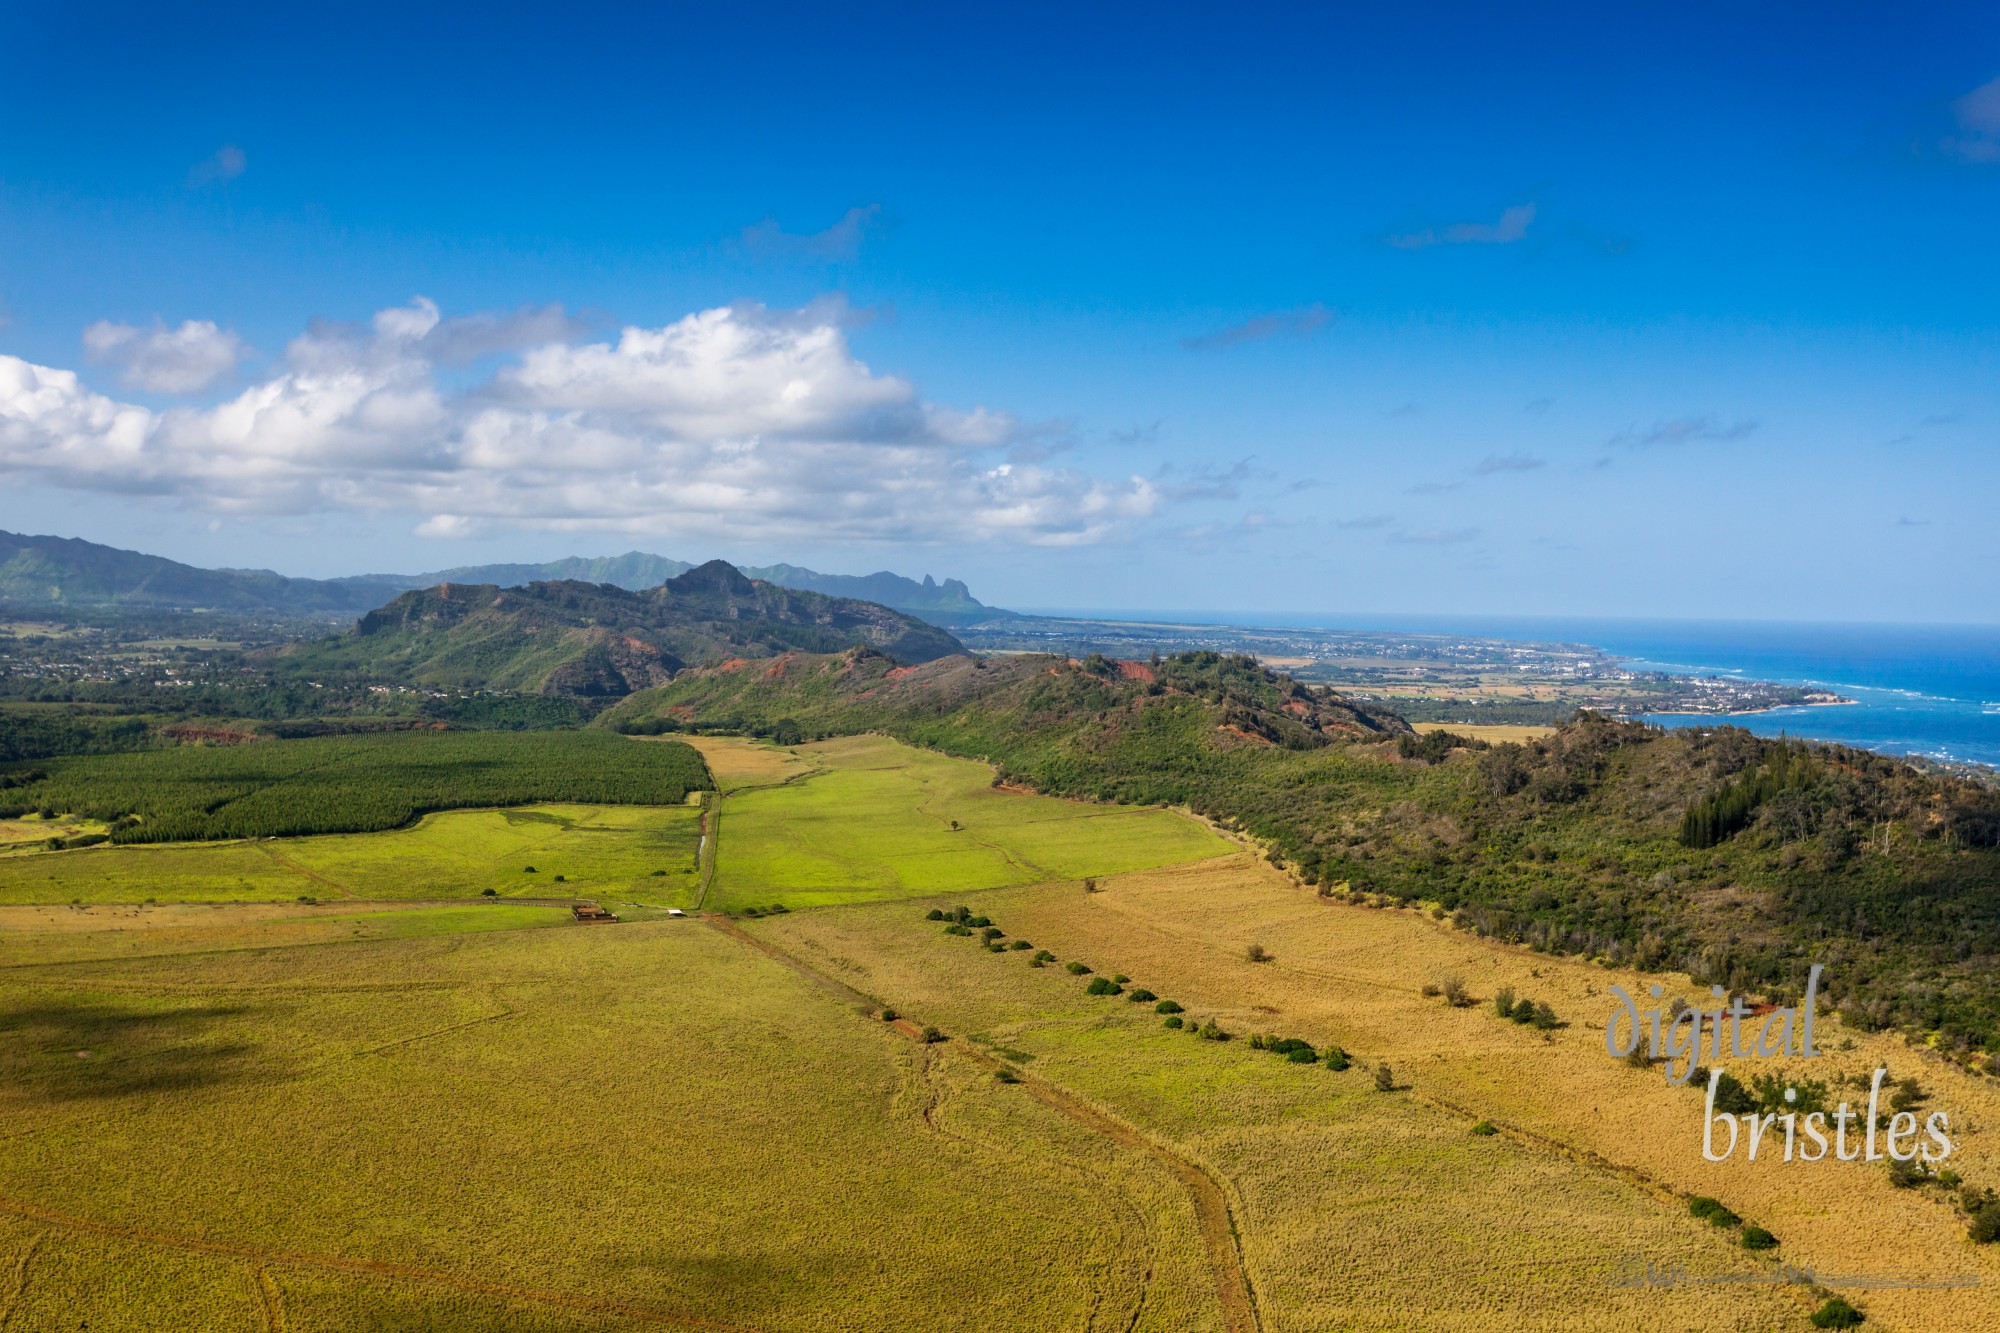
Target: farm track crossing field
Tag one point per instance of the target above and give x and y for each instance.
(883, 820)
(606, 852)
(348, 784)
(1369, 1210)
(587, 1127)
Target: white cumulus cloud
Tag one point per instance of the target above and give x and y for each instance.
(183, 360)
(730, 420)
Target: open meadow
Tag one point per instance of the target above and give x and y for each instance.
(1364, 1209)
(866, 818)
(603, 1127)
(642, 854)
(461, 1112)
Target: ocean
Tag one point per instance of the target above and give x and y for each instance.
(1929, 690)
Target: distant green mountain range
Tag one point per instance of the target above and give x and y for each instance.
(597, 640)
(68, 572)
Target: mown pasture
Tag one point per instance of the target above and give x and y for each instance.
(641, 854)
(1382, 1210)
(584, 1127)
(346, 784)
(871, 819)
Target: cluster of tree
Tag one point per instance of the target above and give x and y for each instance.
(350, 784)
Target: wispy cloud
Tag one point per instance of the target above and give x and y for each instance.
(1299, 322)
(1512, 225)
(1206, 481)
(841, 241)
(1366, 523)
(1538, 406)
(1516, 462)
(1907, 522)
(1435, 488)
(1978, 113)
(1405, 410)
(1447, 537)
(224, 164)
(1684, 430)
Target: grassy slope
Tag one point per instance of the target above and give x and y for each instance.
(1887, 876)
(1346, 1192)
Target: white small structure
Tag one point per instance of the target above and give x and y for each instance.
(675, 911)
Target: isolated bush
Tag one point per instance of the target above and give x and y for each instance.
(562, 879)
(1908, 1175)
(1503, 1002)
(489, 893)
(1077, 969)
(1638, 1057)
(1837, 1313)
(956, 929)
(528, 870)
(1385, 1078)
(1120, 978)
(961, 914)
(1984, 1228)
(1484, 1129)
(1908, 1095)
(1289, 1046)
(979, 921)
(1211, 1031)
(1524, 1011)
(1545, 1018)
(1712, 1211)
(1431, 990)
(1257, 953)
(991, 933)
(1103, 986)
(1308, 1056)
(935, 914)
(1142, 996)
(1090, 884)
(1042, 958)
(1020, 944)
(1174, 1021)
(1005, 1075)
(1455, 993)
(1167, 1007)
(932, 1035)
(1756, 1238)
(888, 1014)
(1336, 1059)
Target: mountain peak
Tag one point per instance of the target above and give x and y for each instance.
(715, 577)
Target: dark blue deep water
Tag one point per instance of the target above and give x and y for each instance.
(1920, 689)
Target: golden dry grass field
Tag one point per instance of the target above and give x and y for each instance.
(480, 1115)
(1493, 734)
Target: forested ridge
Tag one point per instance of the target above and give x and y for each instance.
(1739, 860)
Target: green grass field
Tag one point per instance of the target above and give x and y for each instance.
(606, 852)
(877, 822)
(580, 1127)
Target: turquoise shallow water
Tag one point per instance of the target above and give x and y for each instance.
(1920, 689)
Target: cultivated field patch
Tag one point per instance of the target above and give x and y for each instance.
(884, 820)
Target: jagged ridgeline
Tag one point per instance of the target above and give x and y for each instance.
(593, 640)
(1739, 860)
(345, 784)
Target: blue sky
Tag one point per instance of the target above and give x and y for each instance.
(1661, 311)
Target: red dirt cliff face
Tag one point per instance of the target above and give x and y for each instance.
(1138, 671)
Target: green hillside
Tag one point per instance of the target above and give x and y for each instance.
(1736, 859)
(599, 641)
